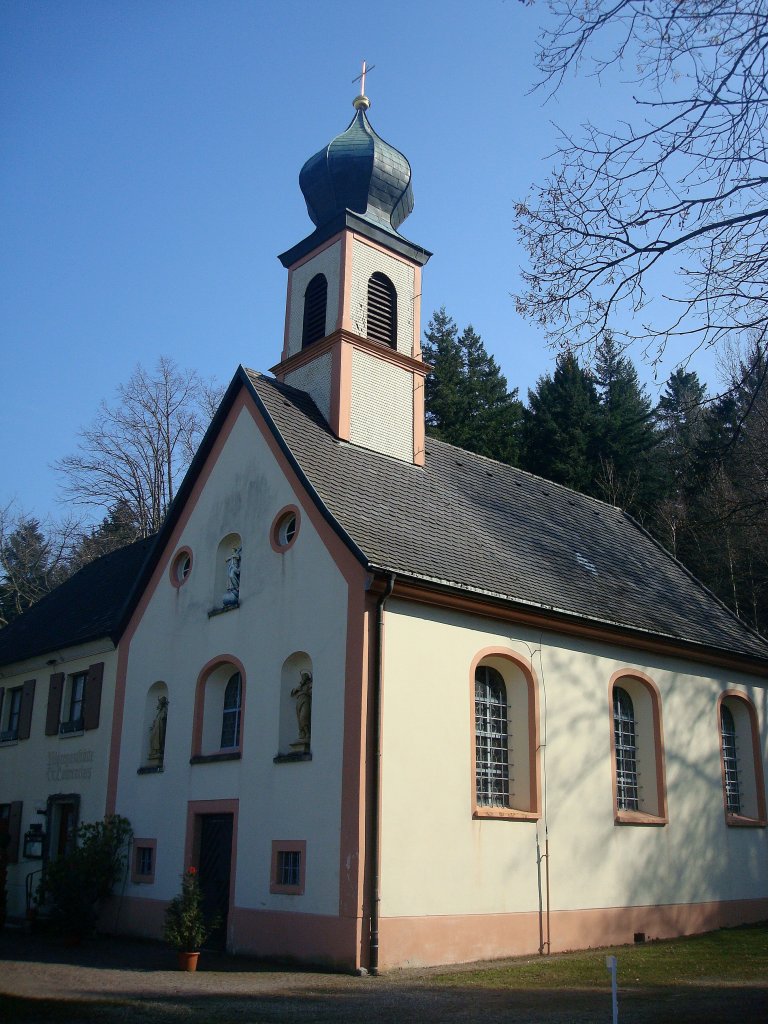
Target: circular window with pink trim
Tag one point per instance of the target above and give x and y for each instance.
(285, 528)
(181, 567)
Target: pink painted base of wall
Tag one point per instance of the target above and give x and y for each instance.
(304, 938)
(430, 941)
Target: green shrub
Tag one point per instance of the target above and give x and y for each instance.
(74, 885)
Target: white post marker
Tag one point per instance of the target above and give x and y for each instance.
(610, 963)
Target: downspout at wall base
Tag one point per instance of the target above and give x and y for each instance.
(373, 962)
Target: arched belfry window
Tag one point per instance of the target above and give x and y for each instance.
(382, 310)
(315, 304)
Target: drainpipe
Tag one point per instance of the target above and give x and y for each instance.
(376, 780)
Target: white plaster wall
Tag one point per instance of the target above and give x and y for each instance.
(315, 379)
(381, 412)
(366, 260)
(437, 860)
(327, 262)
(295, 601)
(31, 770)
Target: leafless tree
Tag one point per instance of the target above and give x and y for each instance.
(136, 451)
(659, 222)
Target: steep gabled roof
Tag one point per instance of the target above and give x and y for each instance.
(470, 523)
(88, 606)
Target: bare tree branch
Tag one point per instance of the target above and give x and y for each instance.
(679, 195)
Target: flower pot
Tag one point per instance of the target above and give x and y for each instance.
(188, 961)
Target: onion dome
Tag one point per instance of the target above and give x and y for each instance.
(360, 172)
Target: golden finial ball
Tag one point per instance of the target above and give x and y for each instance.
(361, 102)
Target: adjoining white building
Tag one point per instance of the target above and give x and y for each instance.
(399, 703)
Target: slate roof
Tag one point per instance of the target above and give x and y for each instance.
(88, 606)
(477, 525)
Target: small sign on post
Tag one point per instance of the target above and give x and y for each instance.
(610, 963)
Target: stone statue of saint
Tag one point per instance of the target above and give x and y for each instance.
(157, 731)
(303, 695)
(232, 595)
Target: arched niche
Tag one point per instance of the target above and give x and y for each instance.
(295, 726)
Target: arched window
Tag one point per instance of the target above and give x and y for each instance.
(230, 719)
(637, 750)
(382, 310)
(506, 773)
(730, 761)
(491, 739)
(626, 750)
(741, 761)
(220, 697)
(315, 305)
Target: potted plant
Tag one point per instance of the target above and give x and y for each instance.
(185, 926)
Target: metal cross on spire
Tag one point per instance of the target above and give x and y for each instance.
(361, 78)
(362, 100)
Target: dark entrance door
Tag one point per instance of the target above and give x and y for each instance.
(214, 869)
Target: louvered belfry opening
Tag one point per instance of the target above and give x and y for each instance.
(382, 310)
(315, 303)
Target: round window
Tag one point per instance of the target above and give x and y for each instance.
(285, 528)
(181, 567)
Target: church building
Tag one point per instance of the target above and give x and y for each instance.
(399, 704)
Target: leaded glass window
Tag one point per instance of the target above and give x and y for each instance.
(491, 739)
(230, 722)
(730, 763)
(626, 751)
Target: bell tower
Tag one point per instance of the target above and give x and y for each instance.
(352, 322)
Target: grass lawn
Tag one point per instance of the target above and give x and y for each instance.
(730, 956)
(719, 978)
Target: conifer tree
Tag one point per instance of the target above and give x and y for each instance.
(467, 400)
(561, 427)
(626, 432)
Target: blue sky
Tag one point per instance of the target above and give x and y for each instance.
(151, 153)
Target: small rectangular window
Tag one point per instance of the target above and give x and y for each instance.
(10, 729)
(74, 721)
(143, 862)
(288, 867)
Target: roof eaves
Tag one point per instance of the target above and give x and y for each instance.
(621, 629)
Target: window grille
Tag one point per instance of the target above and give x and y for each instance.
(288, 867)
(315, 305)
(144, 860)
(382, 310)
(625, 739)
(230, 722)
(491, 739)
(730, 762)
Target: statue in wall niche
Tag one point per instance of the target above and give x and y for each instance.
(157, 731)
(303, 695)
(232, 596)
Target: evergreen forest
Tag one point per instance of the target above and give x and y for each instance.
(691, 469)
